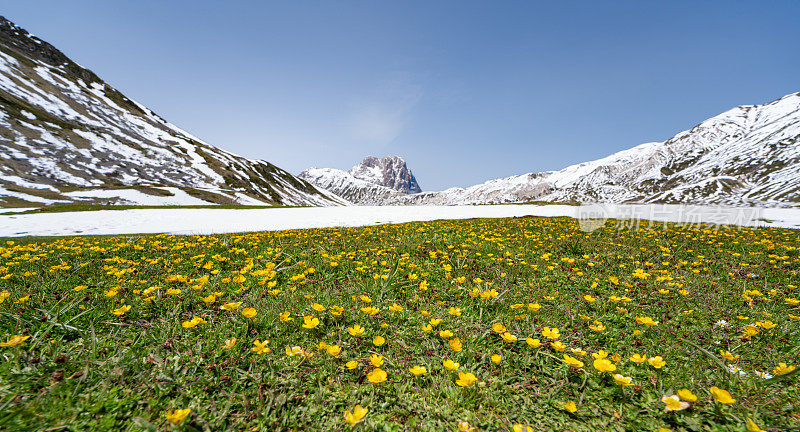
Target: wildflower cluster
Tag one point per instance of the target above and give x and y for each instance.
(435, 325)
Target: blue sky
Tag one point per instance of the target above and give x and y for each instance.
(464, 91)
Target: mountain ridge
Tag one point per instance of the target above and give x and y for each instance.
(748, 155)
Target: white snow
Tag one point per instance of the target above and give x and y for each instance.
(247, 200)
(16, 209)
(27, 197)
(133, 196)
(28, 115)
(216, 221)
(19, 181)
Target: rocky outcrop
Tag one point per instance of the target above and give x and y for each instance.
(390, 171)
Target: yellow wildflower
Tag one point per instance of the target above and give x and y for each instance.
(450, 365)
(356, 416)
(657, 362)
(551, 333)
(499, 328)
(783, 368)
(121, 310)
(14, 341)
(636, 358)
(376, 360)
(604, 365)
(333, 350)
(722, 396)
(230, 306)
(752, 426)
(622, 380)
(572, 361)
(466, 379)
(508, 337)
(687, 395)
(376, 376)
(418, 370)
(558, 346)
(310, 322)
(260, 347)
(178, 416)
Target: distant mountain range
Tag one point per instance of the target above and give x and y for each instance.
(746, 156)
(67, 136)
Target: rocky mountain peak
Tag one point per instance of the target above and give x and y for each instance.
(390, 171)
(17, 38)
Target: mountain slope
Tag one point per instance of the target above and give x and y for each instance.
(749, 155)
(67, 136)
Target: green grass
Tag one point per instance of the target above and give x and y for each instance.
(84, 368)
(62, 208)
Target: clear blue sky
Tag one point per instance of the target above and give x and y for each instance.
(464, 91)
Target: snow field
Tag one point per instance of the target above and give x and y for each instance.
(218, 221)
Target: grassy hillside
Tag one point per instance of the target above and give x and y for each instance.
(497, 324)
(64, 208)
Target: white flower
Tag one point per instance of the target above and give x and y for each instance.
(763, 375)
(721, 323)
(735, 370)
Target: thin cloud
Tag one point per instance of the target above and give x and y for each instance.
(380, 118)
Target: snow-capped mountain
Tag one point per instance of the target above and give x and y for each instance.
(372, 182)
(354, 190)
(391, 171)
(67, 136)
(749, 155)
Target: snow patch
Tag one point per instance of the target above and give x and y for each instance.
(136, 197)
